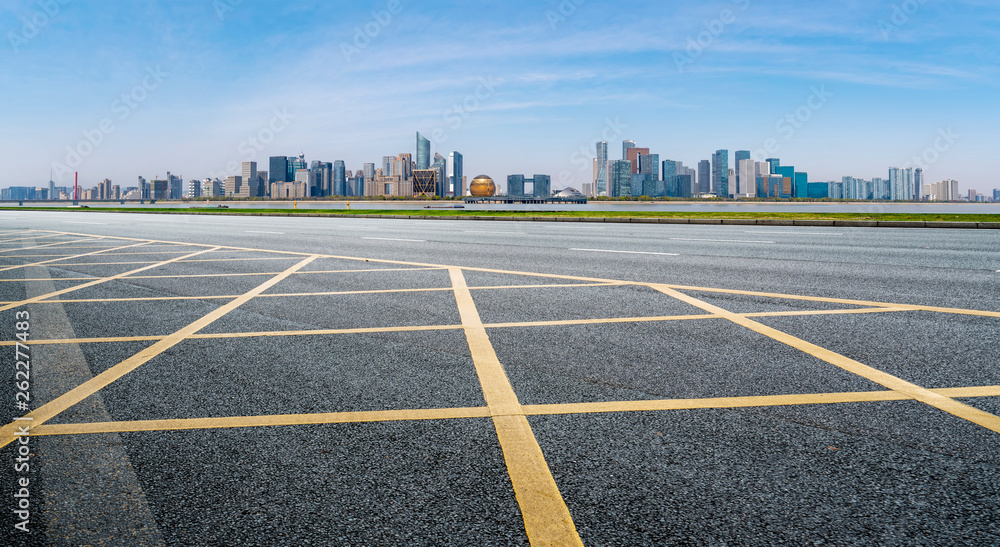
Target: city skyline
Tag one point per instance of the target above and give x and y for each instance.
(199, 87)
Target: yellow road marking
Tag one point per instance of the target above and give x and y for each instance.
(924, 395)
(745, 402)
(13, 248)
(484, 412)
(911, 307)
(263, 421)
(105, 254)
(547, 520)
(375, 330)
(40, 298)
(215, 336)
(49, 410)
(47, 262)
(34, 247)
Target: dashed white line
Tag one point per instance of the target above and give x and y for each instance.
(259, 232)
(797, 233)
(394, 239)
(720, 240)
(625, 252)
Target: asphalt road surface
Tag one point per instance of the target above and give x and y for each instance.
(233, 380)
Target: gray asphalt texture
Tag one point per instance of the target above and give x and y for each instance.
(878, 473)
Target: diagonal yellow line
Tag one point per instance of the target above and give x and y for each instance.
(910, 307)
(547, 520)
(924, 395)
(42, 237)
(46, 262)
(36, 247)
(41, 298)
(49, 410)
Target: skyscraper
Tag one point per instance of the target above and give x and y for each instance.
(741, 184)
(649, 165)
(620, 178)
(720, 173)
(633, 157)
(515, 185)
(369, 172)
(456, 174)
(339, 178)
(423, 152)
(440, 167)
(625, 146)
(918, 184)
(249, 177)
(669, 172)
(704, 177)
(542, 186)
(746, 177)
(601, 180)
(277, 169)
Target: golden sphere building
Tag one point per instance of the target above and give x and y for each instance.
(482, 187)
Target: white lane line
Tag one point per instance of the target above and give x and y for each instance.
(259, 232)
(394, 239)
(625, 252)
(719, 240)
(487, 232)
(81, 222)
(797, 233)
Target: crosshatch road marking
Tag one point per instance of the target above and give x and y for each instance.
(48, 262)
(924, 395)
(98, 281)
(546, 517)
(49, 410)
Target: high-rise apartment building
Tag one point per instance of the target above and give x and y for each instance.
(369, 172)
(423, 153)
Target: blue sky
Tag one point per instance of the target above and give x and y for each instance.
(196, 86)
